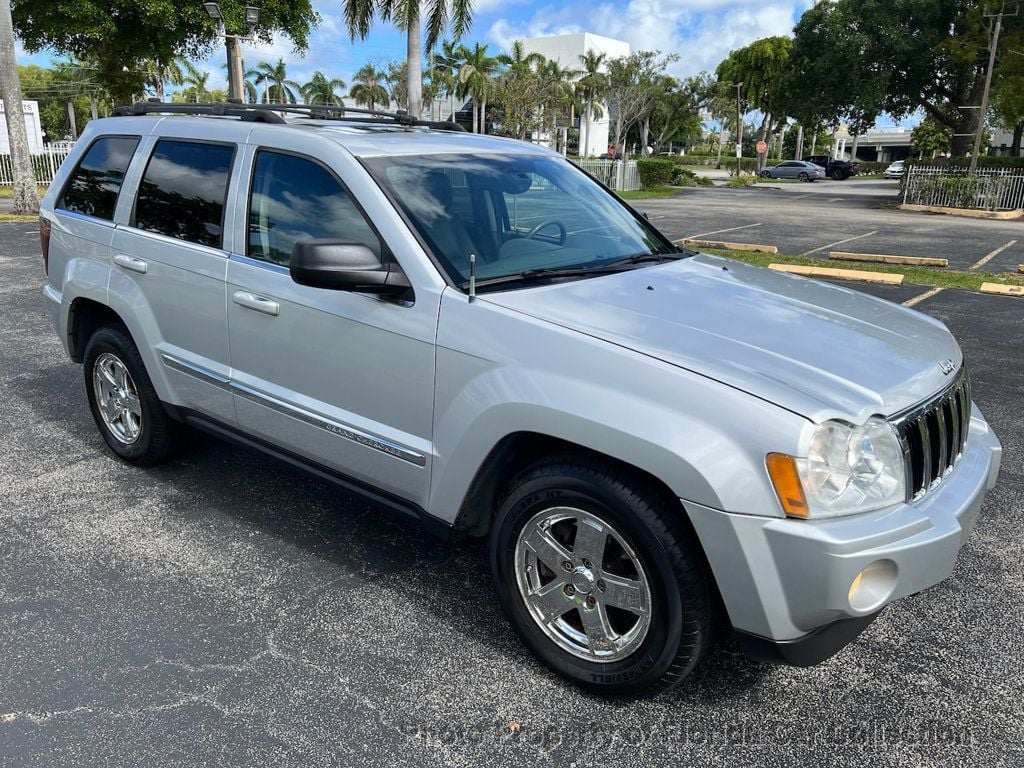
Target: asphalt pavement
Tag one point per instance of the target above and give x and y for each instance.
(223, 610)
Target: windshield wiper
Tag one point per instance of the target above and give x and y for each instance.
(643, 258)
(545, 273)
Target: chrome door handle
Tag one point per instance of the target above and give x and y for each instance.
(132, 263)
(258, 303)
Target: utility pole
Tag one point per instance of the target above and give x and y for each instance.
(993, 46)
(739, 133)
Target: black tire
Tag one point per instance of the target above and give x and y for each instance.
(766, 174)
(838, 175)
(160, 437)
(683, 601)
(803, 176)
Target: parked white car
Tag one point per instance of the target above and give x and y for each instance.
(895, 171)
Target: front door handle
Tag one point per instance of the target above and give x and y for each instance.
(257, 303)
(132, 263)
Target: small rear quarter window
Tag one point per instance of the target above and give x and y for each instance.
(93, 187)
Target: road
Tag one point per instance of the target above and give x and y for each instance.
(225, 611)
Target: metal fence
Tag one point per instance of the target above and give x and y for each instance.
(44, 164)
(620, 175)
(988, 189)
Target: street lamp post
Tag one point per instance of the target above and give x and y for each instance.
(233, 43)
(739, 133)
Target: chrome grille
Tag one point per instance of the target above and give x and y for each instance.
(933, 435)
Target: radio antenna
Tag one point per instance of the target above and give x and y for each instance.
(472, 277)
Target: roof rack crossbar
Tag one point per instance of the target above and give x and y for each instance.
(269, 113)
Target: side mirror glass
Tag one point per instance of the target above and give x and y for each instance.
(345, 265)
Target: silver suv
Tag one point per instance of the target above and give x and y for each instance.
(657, 443)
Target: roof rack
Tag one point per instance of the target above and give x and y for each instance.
(269, 113)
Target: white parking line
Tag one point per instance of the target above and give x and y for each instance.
(720, 231)
(834, 200)
(922, 297)
(839, 242)
(798, 197)
(986, 259)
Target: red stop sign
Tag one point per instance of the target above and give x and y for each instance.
(762, 147)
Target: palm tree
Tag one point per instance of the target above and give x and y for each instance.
(321, 89)
(26, 198)
(444, 70)
(408, 16)
(368, 87)
(592, 87)
(476, 80)
(517, 60)
(277, 86)
(160, 74)
(194, 78)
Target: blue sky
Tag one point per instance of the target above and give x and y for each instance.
(702, 32)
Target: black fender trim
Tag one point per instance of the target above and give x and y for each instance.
(813, 648)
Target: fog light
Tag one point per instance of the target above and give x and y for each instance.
(872, 586)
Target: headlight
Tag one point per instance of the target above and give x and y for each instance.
(847, 470)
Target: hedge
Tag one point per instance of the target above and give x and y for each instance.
(655, 171)
(961, 162)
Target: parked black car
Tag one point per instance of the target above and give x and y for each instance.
(837, 170)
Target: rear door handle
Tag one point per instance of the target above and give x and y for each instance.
(257, 303)
(132, 263)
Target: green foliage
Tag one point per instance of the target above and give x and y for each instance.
(760, 66)
(741, 182)
(120, 37)
(322, 89)
(368, 87)
(655, 171)
(52, 87)
(930, 137)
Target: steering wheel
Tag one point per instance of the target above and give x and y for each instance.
(562, 234)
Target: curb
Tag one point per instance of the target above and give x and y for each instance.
(969, 213)
(913, 261)
(844, 274)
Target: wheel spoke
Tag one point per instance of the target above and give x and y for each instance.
(108, 377)
(122, 376)
(547, 549)
(599, 631)
(624, 593)
(134, 405)
(552, 601)
(589, 542)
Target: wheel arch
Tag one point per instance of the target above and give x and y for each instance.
(85, 317)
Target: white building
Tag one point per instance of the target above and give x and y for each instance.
(32, 124)
(566, 50)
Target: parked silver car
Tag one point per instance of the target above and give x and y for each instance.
(474, 333)
(794, 169)
(895, 170)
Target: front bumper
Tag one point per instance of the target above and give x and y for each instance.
(787, 583)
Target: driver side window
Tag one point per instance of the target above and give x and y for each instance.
(295, 199)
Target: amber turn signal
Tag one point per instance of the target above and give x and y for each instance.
(786, 481)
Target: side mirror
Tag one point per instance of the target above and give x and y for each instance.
(345, 265)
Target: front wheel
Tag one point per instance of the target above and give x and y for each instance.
(766, 174)
(601, 577)
(804, 177)
(838, 175)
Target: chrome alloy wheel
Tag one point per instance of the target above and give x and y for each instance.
(583, 584)
(117, 398)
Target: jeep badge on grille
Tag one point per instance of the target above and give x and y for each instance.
(947, 367)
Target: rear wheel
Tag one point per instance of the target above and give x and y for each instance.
(124, 404)
(838, 175)
(601, 577)
(766, 174)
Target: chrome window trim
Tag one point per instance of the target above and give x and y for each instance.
(376, 442)
(84, 217)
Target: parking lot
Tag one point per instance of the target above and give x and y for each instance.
(223, 610)
(813, 219)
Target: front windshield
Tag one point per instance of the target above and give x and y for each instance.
(515, 213)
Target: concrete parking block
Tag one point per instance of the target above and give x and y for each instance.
(916, 261)
(839, 274)
(1003, 290)
(725, 246)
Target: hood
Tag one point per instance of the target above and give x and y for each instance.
(816, 349)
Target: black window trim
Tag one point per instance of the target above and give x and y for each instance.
(386, 254)
(59, 205)
(227, 187)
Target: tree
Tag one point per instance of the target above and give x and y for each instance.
(54, 87)
(368, 87)
(519, 92)
(444, 71)
(559, 100)
(930, 138)
(476, 80)
(322, 90)
(761, 67)
(591, 87)
(676, 112)
(274, 77)
(195, 81)
(859, 58)
(408, 16)
(26, 199)
(630, 93)
(118, 37)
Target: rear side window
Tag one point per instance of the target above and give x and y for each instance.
(183, 190)
(96, 182)
(296, 199)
